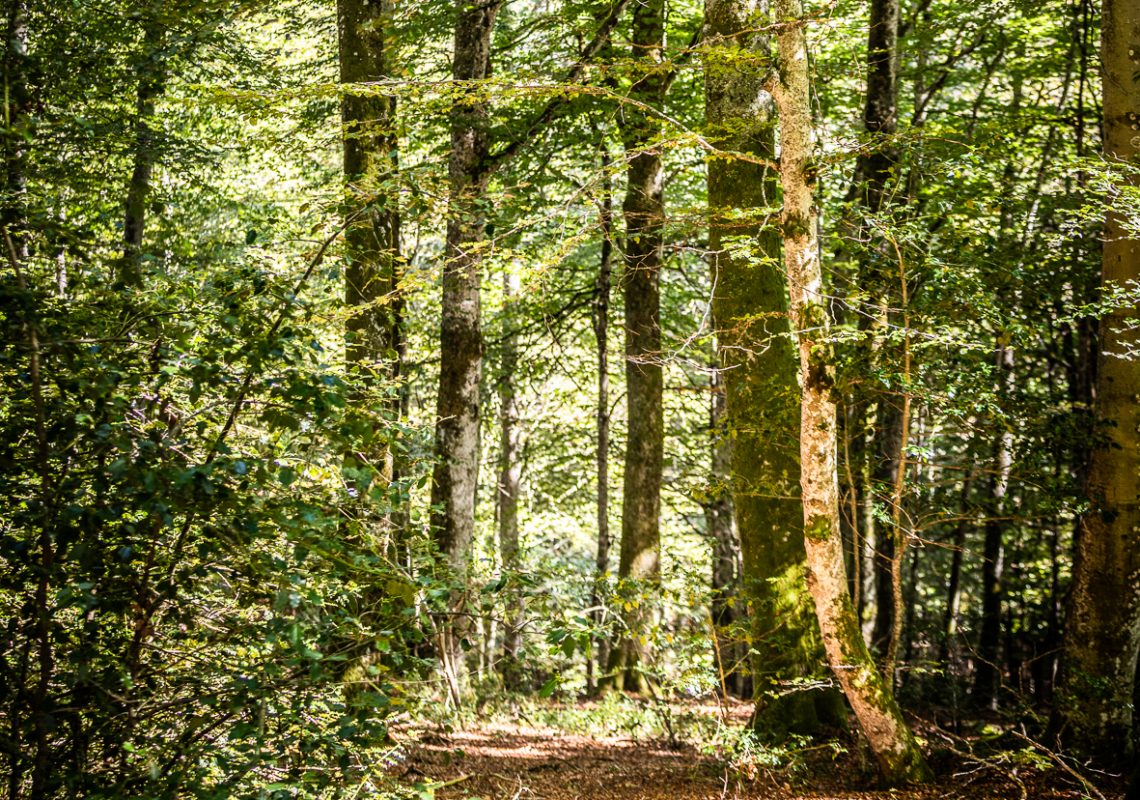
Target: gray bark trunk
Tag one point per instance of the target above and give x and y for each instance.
(896, 750)
(372, 238)
(601, 320)
(510, 470)
(1093, 707)
(644, 212)
(987, 676)
(461, 341)
(152, 76)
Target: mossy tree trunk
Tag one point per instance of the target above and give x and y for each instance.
(639, 569)
(372, 240)
(152, 79)
(759, 372)
(896, 750)
(1093, 704)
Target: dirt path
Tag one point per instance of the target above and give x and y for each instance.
(504, 761)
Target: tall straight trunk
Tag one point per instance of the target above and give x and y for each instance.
(510, 470)
(880, 120)
(987, 676)
(601, 322)
(719, 512)
(954, 585)
(15, 213)
(896, 750)
(461, 342)
(889, 436)
(372, 238)
(644, 212)
(759, 371)
(151, 80)
(1093, 707)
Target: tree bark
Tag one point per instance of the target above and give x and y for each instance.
(1093, 704)
(601, 321)
(15, 212)
(461, 343)
(896, 750)
(152, 77)
(372, 238)
(759, 372)
(987, 676)
(719, 513)
(510, 470)
(644, 212)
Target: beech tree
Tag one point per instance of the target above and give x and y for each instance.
(1094, 699)
(898, 754)
(759, 369)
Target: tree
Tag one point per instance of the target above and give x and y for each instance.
(461, 335)
(1093, 705)
(372, 238)
(644, 212)
(759, 371)
(896, 751)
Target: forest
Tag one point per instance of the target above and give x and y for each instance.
(544, 399)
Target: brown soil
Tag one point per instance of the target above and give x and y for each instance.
(519, 761)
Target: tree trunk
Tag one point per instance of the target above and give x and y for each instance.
(644, 211)
(889, 432)
(896, 750)
(461, 342)
(719, 512)
(1093, 707)
(152, 77)
(954, 585)
(601, 321)
(372, 238)
(510, 469)
(880, 120)
(987, 676)
(759, 363)
(15, 212)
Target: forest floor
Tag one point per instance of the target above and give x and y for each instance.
(523, 759)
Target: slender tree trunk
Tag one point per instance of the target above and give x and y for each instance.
(1093, 707)
(987, 676)
(16, 106)
(461, 341)
(644, 211)
(954, 585)
(895, 748)
(152, 78)
(885, 476)
(719, 512)
(759, 368)
(510, 469)
(880, 120)
(601, 321)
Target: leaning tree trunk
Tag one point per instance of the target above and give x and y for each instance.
(510, 470)
(644, 211)
(750, 308)
(14, 211)
(152, 77)
(1093, 705)
(461, 341)
(895, 748)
